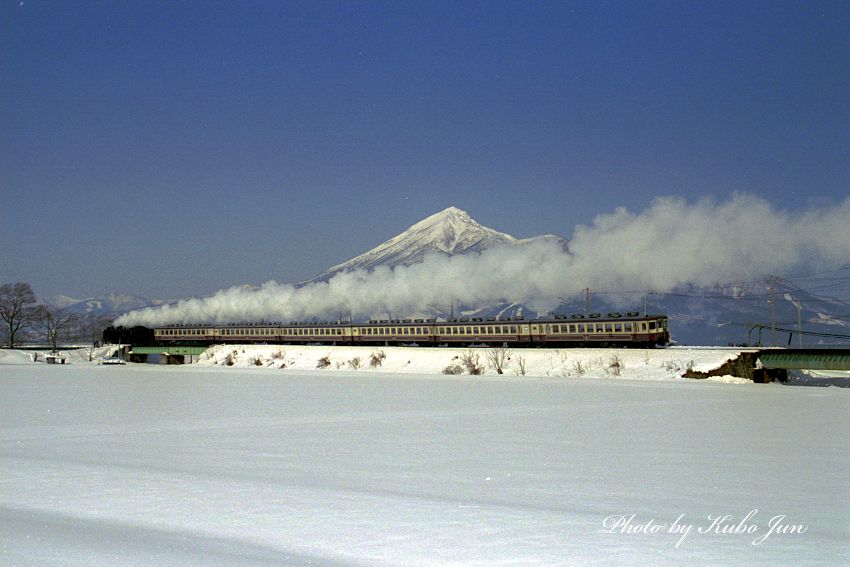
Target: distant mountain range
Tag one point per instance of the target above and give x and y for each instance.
(111, 304)
(716, 315)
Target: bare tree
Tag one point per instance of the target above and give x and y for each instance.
(56, 324)
(498, 358)
(17, 308)
(521, 366)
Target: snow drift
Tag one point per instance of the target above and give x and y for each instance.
(669, 244)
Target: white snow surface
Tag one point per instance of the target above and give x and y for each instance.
(206, 464)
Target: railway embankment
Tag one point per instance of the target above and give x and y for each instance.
(712, 364)
(745, 365)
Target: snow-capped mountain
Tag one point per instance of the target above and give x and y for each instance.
(108, 304)
(449, 232)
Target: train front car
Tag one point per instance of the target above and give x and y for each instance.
(595, 329)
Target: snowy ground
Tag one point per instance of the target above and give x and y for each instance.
(217, 465)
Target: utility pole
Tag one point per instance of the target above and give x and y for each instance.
(586, 300)
(772, 311)
(799, 324)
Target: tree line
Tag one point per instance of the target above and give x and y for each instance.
(21, 313)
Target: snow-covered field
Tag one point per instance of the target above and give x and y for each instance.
(214, 465)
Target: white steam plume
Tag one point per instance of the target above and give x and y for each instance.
(669, 244)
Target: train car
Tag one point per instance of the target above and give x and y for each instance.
(477, 331)
(594, 329)
(336, 333)
(418, 332)
(615, 329)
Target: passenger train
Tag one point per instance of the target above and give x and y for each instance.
(594, 329)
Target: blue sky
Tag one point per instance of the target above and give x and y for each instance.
(175, 148)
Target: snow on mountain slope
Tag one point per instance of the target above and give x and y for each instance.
(451, 231)
(110, 303)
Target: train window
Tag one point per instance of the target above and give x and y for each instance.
(652, 325)
(618, 327)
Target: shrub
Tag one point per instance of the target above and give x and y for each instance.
(472, 364)
(520, 369)
(498, 359)
(579, 368)
(615, 365)
(324, 362)
(377, 359)
(677, 366)
(453, 369)
(354, 363)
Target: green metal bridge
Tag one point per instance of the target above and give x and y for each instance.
(805, 359)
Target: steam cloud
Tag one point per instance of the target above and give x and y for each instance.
(669, 244)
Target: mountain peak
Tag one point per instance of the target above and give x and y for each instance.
(450, 231)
